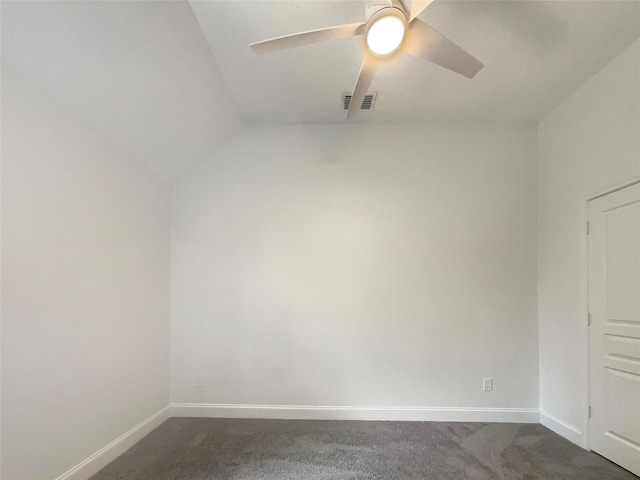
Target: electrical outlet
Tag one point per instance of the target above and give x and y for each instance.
(487, 384)
(199, 380)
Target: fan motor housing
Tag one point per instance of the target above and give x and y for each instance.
(382, 13)
(374, 6)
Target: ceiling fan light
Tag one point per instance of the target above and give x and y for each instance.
(385, 35)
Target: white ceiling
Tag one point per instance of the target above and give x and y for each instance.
(534, 52)
(143, 74)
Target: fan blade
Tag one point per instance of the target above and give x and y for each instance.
(417, 6)
(307, 38)
(367, 71)
(424, 42)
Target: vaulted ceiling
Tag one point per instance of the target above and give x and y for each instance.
(170, 81)
(140, 73)
(534, 52)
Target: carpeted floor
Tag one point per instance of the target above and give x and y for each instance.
(231, 449)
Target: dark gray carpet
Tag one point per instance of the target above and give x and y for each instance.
(231, 449)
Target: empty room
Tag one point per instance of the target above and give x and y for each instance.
(320, 240)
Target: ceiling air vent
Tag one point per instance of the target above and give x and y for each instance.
(367, 104)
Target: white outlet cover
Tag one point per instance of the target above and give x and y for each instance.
(487, 384)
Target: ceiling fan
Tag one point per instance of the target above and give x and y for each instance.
(390, 26)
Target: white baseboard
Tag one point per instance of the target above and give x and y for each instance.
(110, 452)
(571, 433)
(312, 412)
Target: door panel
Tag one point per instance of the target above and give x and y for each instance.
(614, 335)
(622, 347)
(623, 417)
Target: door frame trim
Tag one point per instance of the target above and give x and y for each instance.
(585, 296)
(609, 190)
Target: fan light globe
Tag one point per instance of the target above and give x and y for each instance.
(385, 35)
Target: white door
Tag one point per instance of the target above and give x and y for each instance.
(614, 334)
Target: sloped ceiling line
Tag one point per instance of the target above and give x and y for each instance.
(171, 81)
(140, 73)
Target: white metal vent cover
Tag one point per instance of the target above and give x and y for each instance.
(367, 104)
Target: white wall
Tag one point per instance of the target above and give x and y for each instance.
(587, 144)
(85, 277)
(358, 265)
